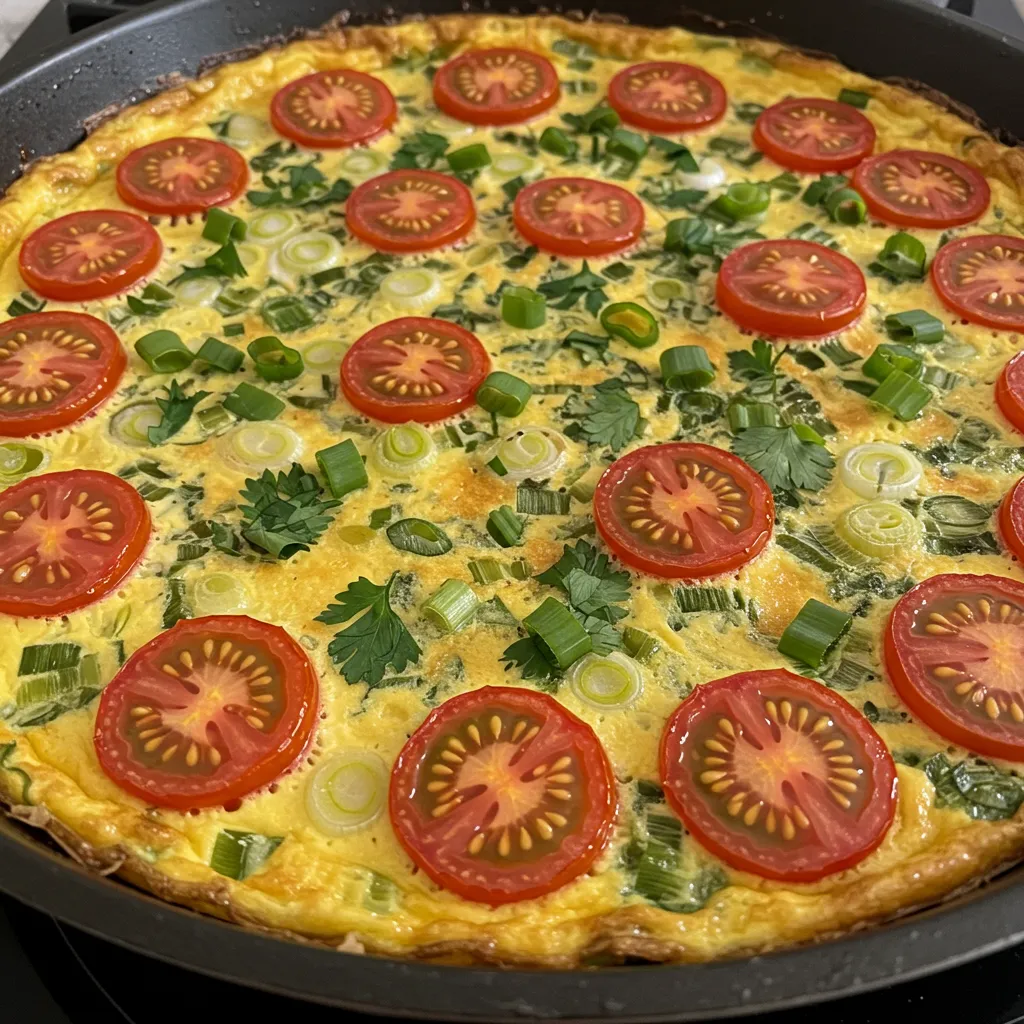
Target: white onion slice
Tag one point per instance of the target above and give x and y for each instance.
(258, 446)
(880, 470)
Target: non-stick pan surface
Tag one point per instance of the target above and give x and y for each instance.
(45, 107)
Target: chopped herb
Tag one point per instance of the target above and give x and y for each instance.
(785, 458)
(25, 303)
(975, 787)
(568, 291)
(240, 854)
(300, 185)
(423, 149)
(611, 418)
(176, 410)
(589, 347)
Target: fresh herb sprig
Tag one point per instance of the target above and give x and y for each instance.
(565, 292)
(300, 185)
(611, 419)
(176, 410)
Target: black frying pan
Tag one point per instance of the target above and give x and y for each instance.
(44, 108)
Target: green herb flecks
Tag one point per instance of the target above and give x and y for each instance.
(176, 410)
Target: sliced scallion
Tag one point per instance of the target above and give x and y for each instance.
(220, 355)
(903, 257)
(213, 419)
(537, 501)
(222, 227)
(514, 165)
(744, 415)
(131, 425)
(286, 313)
(879, 529)
(630, 322)
(468, 158)
(18, 460)
(741, 201)
(534, 453)
(915, 325)
(814, 632)
(273, 226)
(273, 359)
(556, 142)
(342, 468)
(902, 395)
(505, 526)
(523, 307)
(164, 352)
(452, 606)
(887, 358)
(403, 450)
(347, 791)
(364, 163)
(626, 145)
(419, 537)
(219, 593)
(610, 682)
(686, 368)
(503, 394)
(311, 252)
(845, 206)
(252, 403)
(233, 330)
(254, 447)
(323, 356)
(199, 291)
(639, 645)
(487, 570)
(243, 129)
(854, 97)
(558, 633)
(705, 175)
(411, 287)
(880, 470)
(240, 854)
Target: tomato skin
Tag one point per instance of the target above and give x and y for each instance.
(142, 679)
(140, 181)
(91, 379)
(930, 700)
(561, 733)
(493, 104)
(376, 110)
(718, 550)
(706, 93)
(1010, 391)
(806, 153)
(616, 222)
(1011, 520)
(958, 275)
(746, 271)
(684, 747)
(369, 356)
(880, 179)
(109, 567)
(43, 272)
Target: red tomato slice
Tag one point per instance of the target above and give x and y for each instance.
(332, 109)
(1010, 391)
(67, 540)
(790, 289)
(503, 795)
(181, 175)
(683, 511)
(578, 216)
(89, 255)
(807, 134)
(778, 776)
(410, 211)
(414, 368)
(665, 96)
(982, 279)
(920, 189)
(207, 712)
(1011, 520)
(953, 649)
(503, 85)
(54, 369)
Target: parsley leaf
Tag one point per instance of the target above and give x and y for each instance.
(784, 459)
(300, 185)
(612, 417)
(588, 347)
(423, 149)
(286, 513)
(568, 291)
(758, 362)
(176, 410)
(225, 262)
(378, 638)
(593, 595)
(525, 655)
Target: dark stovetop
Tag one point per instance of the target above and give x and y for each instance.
(53, 974)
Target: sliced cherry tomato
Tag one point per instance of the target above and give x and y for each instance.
(181, 175)
(1010, 391)
(953, 649)
(790, 288)
(920, 189)
(54, 369)
(207, 712)
(497, 86)
(778, 776)
(332, 109)
(578, 216)
(410, 211)
(414, 368)
(89, 255)
(982, 279)
(665, 96)
(1011, 520)
(503, 795)
(683, 511)
(67, 540)
(808, 134)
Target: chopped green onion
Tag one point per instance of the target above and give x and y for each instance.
(514, 165)
(879, 529)
(626, 144)
(806, 433)
(497, 467)
(818, 191)
(555, 141)
(286, 313)
(741, 201)
(213, 419)
(639, 645)
(347, 791)
(903, 256)
(243, 129)
(222, 227)
(419, 537)
(220, 356)
(503, 394)
(513, 187)
(364, 163)
(845, 206)
(26, 303)
(610, 682)
(536, 501)
(523, 307)
(38, 658)
(452, 606)
(342, 468)
(600, 119)
(311, 252)
(199, 291)
(273, 226)
(131, 424)
(558, 633)
(18, 460)
(814, 632)
(240, 854)
(469, 158)
(630, 322)
(487, 570)
(902, 395)
(411, 287)
(323, 356)
(534, 453)
(164, 352)
(744, 415)
(854, 97)
(700, 176)
(686, 368)
(274, 360)
(879, 470)
(219, 593)
(915, 325)
(251, 403)
(505, 526)
(254, 447)
(403, 450)
(887, 358)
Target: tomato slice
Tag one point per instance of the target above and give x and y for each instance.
(54, 369)
(578, 216)
(410, 211)
(778, 776)
(414, 368)
(89, 255)
(683, 511)
(1010, 391)
(503, 795)
(332, 109)
(811, 134)
(67, 540)
(982, 279)
(207, 712)
(790, 288)
(953, 649)
(920, 189)
(181, 175)
(503, 85)
(1011, 520)
(666, 96)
